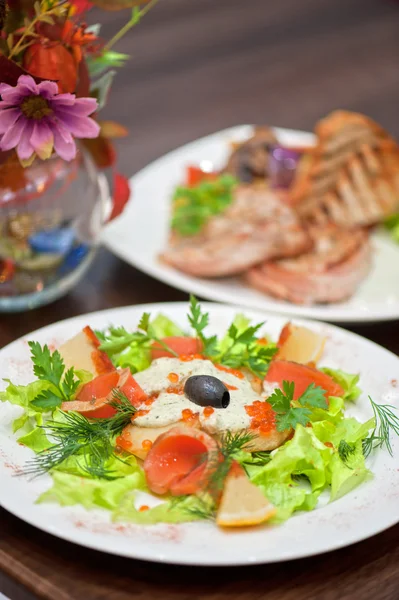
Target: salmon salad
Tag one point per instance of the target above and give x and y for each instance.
(161, 424)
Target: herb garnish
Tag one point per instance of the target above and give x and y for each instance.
(292, 412)
(242, 348)
(346, 450)
(50, 367)
(76, 435)
(118, 338)
(386, 422)
(192, 207)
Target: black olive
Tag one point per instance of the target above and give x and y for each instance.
(206, 390)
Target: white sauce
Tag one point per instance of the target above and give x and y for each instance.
(167, 408)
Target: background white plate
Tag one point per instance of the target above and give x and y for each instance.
(141, 233)
(366, 511)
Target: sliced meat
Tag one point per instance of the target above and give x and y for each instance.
(257, 226)
(250, 160)
(331, 272)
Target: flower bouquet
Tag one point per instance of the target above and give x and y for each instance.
(55, 76)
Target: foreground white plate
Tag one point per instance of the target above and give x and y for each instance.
(366, 511)
(141, 234)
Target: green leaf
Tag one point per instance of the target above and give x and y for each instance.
(347, 381)
(70, 384)
(193, 207)
(161, 327)
(292, 418)
(197, 319)
(144, 322)
(46, 401)
(168, 512)
(46, 366)
(101, 88)
(392, 224)
(345, 477)
(313, 397)
(36, 440)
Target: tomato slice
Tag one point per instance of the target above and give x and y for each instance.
(178, 461)
(103, 385)
(196, 175)
(179, 344)
(302, 376)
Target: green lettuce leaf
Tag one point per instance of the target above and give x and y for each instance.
(345, 477)
(23, 395)
(347, 381)
(305, 455)
(167, 512)
(162, 327)
(392, 224)
(36, 440)
(69, 489)
(137, 357)
(348, 429)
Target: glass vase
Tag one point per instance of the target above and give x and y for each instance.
(51, 217)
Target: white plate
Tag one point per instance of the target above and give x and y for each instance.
(141, 233)
(366, 511)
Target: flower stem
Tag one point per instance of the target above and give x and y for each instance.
(135, 19)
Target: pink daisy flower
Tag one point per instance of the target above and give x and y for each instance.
(35, 119)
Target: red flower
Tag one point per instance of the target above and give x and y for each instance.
(52, 61)
(80, 6)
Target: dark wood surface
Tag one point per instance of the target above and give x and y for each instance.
(198, 67)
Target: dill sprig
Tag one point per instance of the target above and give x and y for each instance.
(386, 422)
(76, 435)
(230, 443)
(346, 450)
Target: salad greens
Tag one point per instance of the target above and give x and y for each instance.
(392, 224)
(290, 412)
(327, 451)
(192, 207)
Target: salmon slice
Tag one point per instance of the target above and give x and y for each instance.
(331, 272)
(302, 376)
(179, 461)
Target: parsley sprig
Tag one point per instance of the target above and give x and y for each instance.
(241, 349)
(76, 435)
(50, 367)
(386, 422)
(290, 412)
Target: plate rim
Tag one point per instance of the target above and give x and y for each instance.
(149, 555)
(183, 282)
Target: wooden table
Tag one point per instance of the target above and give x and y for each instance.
(198, 67)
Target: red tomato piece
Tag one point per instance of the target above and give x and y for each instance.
(178, 461)
(302, 376)
(196, 175)
(179, 344)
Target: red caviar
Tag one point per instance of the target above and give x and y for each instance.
(187, 414)
(173, 377)
(146, 444)
(234, 372)
(175, 389)
(143, 508)
(150, 400)
(329, 444)
(208, 411)
(123, 440)
(262, 416)
(230, 387)
(189, 357)
(140, 413)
